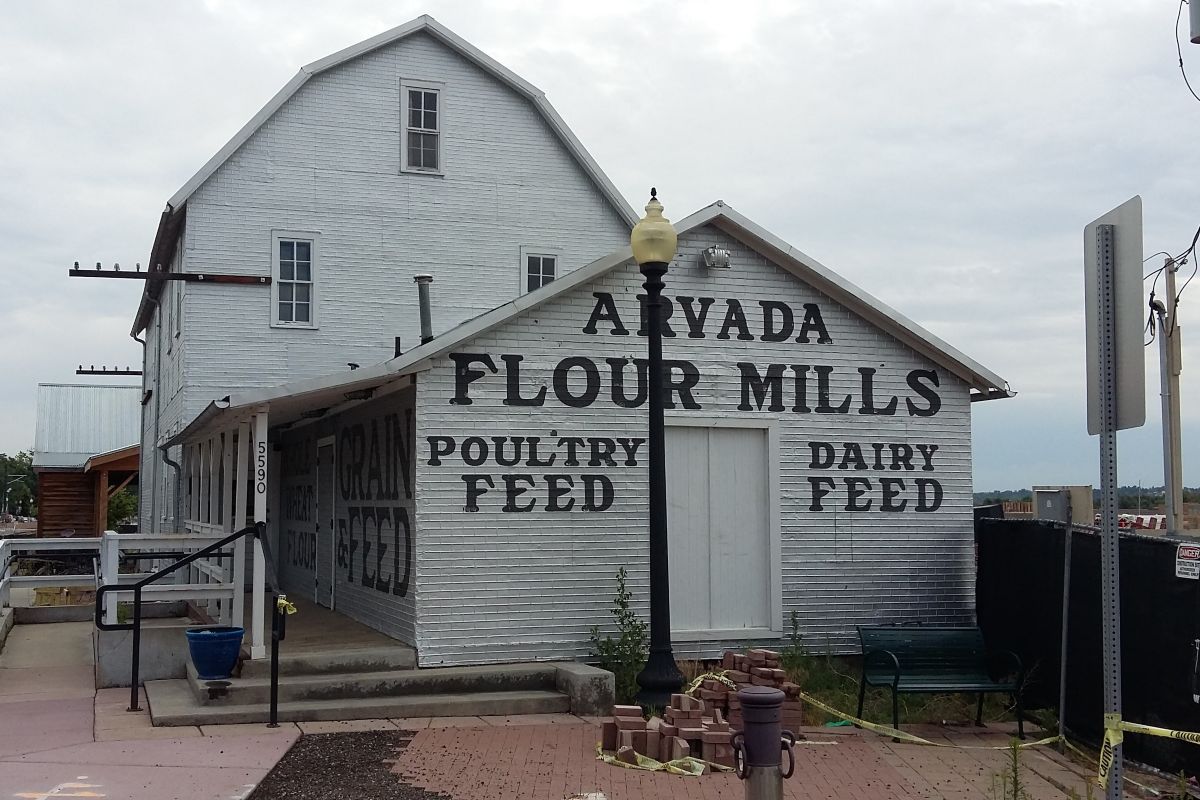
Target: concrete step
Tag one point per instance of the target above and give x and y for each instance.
(172, 703)
(385, 658)
(393, 683)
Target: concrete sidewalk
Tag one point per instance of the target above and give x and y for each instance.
(59, 737)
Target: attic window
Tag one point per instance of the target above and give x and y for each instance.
(421, 134)
(538, 267)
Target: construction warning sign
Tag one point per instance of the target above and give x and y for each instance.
(1187, 561)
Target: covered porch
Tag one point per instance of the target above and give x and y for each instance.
(238, 469)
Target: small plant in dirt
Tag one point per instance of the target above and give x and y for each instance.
(1009, 784)
(1182, 790)
(1089, 793)
(625, 655)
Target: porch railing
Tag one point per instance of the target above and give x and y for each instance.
(13, 549)
(207, 581)
(190, 591)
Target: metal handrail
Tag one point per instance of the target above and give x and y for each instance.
(258, 530)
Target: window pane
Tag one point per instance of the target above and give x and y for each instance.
(414, 118)
(431, 154)
(304, 251)
(414, 150)
(286, 251)
(414, 98)
(287, 270)
(303, 271)
(303, 292)
(533, 264)
(431, 120)
(301, 312)
(547, 271)
(532, 282)
(285, 290)
(431, 101)
(285, 312)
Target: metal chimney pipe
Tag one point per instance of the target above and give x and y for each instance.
(398, 350)
(1194, 15)
(423, 282)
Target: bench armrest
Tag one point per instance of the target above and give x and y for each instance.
(883, 656)
(1013, 660)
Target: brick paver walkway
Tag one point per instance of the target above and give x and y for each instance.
(553, 762)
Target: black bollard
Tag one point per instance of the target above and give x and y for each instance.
(758, 748)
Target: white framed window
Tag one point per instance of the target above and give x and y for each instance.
(421, 115)
(294, 279)
(539, 266)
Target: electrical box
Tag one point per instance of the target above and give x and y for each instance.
(1072, 504)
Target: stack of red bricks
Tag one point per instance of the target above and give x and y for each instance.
(758, 667)
(688, 728)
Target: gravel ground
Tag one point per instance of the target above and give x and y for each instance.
(341, 766)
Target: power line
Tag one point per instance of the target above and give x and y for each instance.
(1179, 51)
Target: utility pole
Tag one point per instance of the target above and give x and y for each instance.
(1169, 366)
(1173, 366)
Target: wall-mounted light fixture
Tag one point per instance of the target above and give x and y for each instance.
(715, 257)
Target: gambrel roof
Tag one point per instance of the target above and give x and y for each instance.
(175, 212)
(329, 391)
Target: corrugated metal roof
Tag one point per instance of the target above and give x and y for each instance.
(77, 421)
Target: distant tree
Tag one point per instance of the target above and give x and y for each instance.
(17, 475)
(122, 507)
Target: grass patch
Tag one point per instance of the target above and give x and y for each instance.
(834, 681)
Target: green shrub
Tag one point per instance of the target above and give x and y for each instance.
(625, 655)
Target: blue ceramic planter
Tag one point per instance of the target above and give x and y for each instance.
(214, 651)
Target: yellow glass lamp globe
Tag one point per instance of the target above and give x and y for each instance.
(653, 239)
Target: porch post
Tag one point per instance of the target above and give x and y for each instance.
(197, 467)
(239, 521)
(214, 478)
(258, 648)
(227, 518)
(102, 502)
(110, 553)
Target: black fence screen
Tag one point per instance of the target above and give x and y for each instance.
(1019, 604)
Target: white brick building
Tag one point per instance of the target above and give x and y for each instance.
(411, 152)
(475, 496)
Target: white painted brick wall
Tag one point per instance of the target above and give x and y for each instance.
(168, 386)
(495, 586)
(329, 162)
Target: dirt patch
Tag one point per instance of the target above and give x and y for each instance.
(342, 766)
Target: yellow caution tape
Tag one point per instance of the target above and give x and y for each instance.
(285, 605)
(1150, 730)
(1108, 750)
(680, 766)
(1114, 735)
(895, 733)
(1129, 780)
(709, 676)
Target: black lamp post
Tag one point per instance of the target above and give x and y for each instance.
(653, 241)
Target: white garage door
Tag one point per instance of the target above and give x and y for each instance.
(719, 530)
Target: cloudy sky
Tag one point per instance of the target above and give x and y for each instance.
(945, 155)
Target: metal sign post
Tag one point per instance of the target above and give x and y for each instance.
(1116, 400)
(1110, 543)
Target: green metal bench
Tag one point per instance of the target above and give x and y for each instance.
(920, 659)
